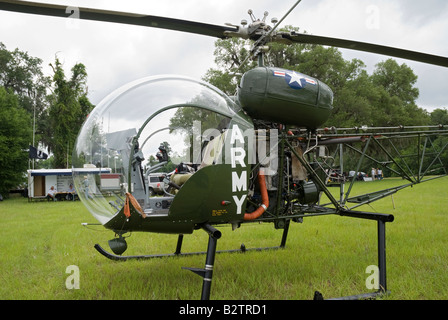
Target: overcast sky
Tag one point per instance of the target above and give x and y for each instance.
(117, 54)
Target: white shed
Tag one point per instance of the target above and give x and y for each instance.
(40, 180)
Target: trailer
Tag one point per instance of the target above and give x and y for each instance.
(41, 180)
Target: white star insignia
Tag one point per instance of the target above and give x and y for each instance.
(295, 77)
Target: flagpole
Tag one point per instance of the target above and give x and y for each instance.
(34, 126)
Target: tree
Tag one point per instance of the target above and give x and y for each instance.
(22, 75)
(69, 106)
(439, 116)
(397, 80)
(14, 141)
(231, 58)
(399, 94)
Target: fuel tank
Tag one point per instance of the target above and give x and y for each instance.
(285, 96)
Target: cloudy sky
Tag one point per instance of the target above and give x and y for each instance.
(117, 54)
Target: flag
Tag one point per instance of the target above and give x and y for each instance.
(37, 154)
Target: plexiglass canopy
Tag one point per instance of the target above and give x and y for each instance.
(130, 124)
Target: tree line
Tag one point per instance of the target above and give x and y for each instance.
(54, 107)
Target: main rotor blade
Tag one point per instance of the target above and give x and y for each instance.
(116, 17)
(368, 47)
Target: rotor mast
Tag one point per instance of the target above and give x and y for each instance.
(260, 32)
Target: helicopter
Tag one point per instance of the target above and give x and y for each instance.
(260, 156)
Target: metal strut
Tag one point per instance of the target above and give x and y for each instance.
(207, 272)
(381, 238)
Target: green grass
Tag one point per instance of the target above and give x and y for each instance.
(330, 254)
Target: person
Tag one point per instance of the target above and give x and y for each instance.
(373, 173)
(51, 194)
(380, 174)
(71, 192)
(86, 184)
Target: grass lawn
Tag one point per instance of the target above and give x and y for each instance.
(39, 240)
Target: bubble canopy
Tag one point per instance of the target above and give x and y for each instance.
(130, 125)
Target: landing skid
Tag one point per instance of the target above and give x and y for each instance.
(178, 252)
(205, 273)
(215, 234)
(362, 296)
(115, 257)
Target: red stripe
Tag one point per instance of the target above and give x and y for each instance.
(110, 176)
